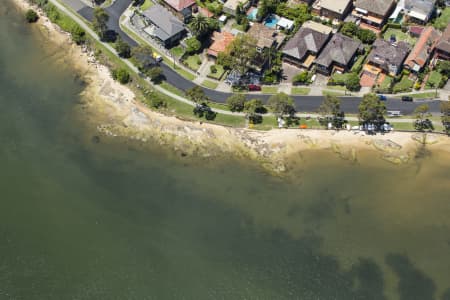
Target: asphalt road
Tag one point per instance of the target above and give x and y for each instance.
(303, 103)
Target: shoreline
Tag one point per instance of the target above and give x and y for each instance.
(115, 112)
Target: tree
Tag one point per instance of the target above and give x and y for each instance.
(422, 121)
(142, 57)
(122, 48)
(372, 110)
(155, 74)
(31, 16)
(302, 78)
(236, 102)
(352, 82)
(349, 29)
(240, 53)
(78, 34)
(121, 75)
(100, 22)
(281, 104)
(253, 110)
(197, 95)
(330, 110)
(366, 36)
(193, 45)
(199, 25)
(443, 66)
(445, 110)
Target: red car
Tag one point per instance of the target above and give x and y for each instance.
(254, 87)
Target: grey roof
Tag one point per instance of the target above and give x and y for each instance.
(379, 7)
(306, 39)
(340, 49)
(167, 24)
(385, 53)
(424, 7)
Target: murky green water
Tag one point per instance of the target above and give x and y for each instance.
(80, 220)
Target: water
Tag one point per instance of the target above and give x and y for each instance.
(271, 21)
(111, 220)
(252, 15)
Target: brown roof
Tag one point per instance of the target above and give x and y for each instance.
(221, 42)
(424, 46)
(340, 49)
(444, 42)
(179, 5)
(379, 7)
(265, 37)
(385, 53)
(306, 39)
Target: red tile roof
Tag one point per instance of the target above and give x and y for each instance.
(424, 46)
(205, 12)
(179, 5)
(416, 30)
(221, 42)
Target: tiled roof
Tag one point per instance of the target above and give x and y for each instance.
(385, 53)
(265, 37)
(444, 42)
(379, 7)
(205, 12)
(306, 39)
(340, 49)
(424, 46)
(179, 5)
(221, 42)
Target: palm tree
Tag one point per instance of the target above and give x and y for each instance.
(199, 25)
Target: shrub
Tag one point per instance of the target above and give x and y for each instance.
(213, 69)
(121, 75)
(193, 45)
(155, 74)
(78, 34)
(31, 16)
(302, 78)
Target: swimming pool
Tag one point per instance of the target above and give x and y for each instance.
(271, 21)
(252, 14)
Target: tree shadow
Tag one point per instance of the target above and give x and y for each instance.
(369, 280)
(446, 295)
(413, 283)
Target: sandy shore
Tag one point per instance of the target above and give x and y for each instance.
(119, 114)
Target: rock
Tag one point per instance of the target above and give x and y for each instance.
(386, 145)
(396, 159)
(425, 138)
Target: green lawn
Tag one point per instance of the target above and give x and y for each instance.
(443, 20)
(338, 79)
(400, 36)
(218, 75)
(210, 84)
(238, 27)
(192, 61)
(337, 87)
(386, 84)
(434, 79)
(269, 89)
(171, 88)
(404, 85)
(146, 4)
(423, 95)
(177, 51)
(358, 64)
(218, 105)
(300, 90)
(331, 93)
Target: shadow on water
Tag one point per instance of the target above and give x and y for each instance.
(413, 283)
(446, 295)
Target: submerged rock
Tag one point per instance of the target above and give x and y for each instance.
(397, 159)
(386, 145)
(425, 138)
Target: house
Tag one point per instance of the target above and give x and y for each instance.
(230, 6)
(387, 56)
(332, 9)
(338, 54)
(205, 12)
(420, 54)
(266, 38)
(373, 14)
(163, 25)
(183, 9)
(415, 31)
(221, 40)
(419, 11)
(306, 44)
(443, 45)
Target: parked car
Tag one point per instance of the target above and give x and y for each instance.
(254, 87)
(407, 98)
(382, 97)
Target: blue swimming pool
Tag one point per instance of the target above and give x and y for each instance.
(252, 14)
(271, 21)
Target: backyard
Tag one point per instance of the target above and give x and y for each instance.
(443, 20)
(399, 35)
